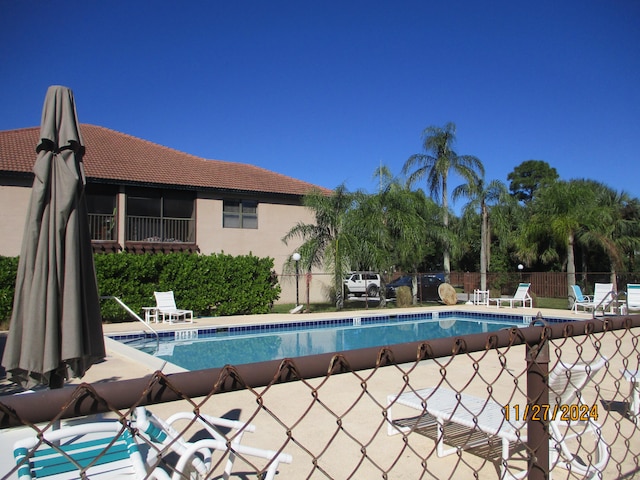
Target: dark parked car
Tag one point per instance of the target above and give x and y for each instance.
(427, 286)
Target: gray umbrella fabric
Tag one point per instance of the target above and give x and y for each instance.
(56, 327)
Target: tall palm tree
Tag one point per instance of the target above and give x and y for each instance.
(327, 242)
(482, 196)
(562, 213)
(435, 165)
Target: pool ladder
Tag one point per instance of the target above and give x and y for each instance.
(136, 316)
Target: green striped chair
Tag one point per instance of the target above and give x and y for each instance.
(95, 450)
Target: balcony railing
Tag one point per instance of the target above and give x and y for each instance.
(160, 230)
(102, 227)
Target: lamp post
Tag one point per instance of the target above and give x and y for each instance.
(520, 268)
(296, 258)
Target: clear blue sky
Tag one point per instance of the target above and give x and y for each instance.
(327, 91)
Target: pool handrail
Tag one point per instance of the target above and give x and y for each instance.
(613, 301)
(134, 315)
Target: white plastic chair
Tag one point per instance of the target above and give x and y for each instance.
(165, 438)
(167, 310)
(274, 458)
(576, 445)
(603, 296)
(521, 296)
(633, 296)
(580, 300)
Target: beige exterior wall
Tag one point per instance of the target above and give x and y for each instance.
(14, 203)
(274, 221)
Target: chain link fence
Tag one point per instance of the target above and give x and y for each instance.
(477, 406)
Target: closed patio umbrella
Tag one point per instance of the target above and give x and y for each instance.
(56, 327)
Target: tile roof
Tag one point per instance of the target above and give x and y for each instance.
(117, 157)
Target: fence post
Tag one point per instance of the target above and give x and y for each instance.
(467, 284)
(537, 356)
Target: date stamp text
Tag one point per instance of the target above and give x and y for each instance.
(550, 413)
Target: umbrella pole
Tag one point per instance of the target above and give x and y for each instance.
(56, 380)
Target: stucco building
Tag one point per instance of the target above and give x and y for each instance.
(144, 197)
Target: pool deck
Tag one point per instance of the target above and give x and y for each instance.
(203, 322)
(340, 392)
(120, 364)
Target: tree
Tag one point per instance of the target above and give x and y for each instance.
(435, 165)
(326, 243)
(562, 213)
(392, 226)
(508, 218)
(615, 228)
(529, 176)
(482, 196)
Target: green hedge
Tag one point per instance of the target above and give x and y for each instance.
(8, 272)
(210, 285)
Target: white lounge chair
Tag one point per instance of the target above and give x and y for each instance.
(164, 438)
(575, 444)
(99, 450)
(522, 296)
(603, 296)
(633, 296)
(167, 310)
(579, 299)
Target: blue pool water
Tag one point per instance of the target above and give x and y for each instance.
(195, 349)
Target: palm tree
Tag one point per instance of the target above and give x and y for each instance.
(482, 196)
(368, 225)
(615, 228)
(326, 243)
(562, 213)
(583, 213)
(435, 164)
(406, 219)
(390, 226)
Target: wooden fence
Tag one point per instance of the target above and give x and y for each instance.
(543, 284)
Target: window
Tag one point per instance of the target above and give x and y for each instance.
(240, 214)
(101, 206)
(160, 216)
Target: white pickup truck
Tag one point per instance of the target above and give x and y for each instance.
(359, 283)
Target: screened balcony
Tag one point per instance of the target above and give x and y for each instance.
(160, 230)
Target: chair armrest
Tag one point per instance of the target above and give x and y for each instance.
(497, 301)
(274, 457)
(209, 423)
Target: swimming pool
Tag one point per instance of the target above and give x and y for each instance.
(195, 349)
